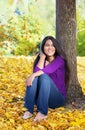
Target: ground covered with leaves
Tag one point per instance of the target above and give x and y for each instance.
(13, 72)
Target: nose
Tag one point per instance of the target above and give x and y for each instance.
(50, 47)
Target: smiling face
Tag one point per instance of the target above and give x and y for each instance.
(49, 48)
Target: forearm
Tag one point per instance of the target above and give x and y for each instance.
(38, 73)
(40, 63)
(30, 79)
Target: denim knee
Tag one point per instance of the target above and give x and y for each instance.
(43, 76)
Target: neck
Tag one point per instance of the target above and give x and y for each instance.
(50, 58)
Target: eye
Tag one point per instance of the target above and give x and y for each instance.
(52, 45)
(47, 45)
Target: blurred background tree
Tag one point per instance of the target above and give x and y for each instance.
(80, 27)
(23, 24)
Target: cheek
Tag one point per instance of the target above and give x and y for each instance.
(54, 49)
(45, 49)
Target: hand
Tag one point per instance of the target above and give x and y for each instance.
(29, 80)
(42, 55)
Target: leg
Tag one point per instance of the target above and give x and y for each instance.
(44, 85)
(30, 96)
(43, 93)
(49, 95)
(56, 99)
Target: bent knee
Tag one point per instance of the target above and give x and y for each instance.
(43, 76)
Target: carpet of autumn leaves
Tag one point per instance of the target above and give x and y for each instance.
(13, 72)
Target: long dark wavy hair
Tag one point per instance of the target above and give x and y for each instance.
(58, 51)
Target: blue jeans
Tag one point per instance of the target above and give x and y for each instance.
(44, 94)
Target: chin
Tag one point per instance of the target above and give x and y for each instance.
(50, 55)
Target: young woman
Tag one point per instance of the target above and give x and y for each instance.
(46, 86)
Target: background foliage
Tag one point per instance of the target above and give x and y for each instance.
(23, 24)
(81, 27)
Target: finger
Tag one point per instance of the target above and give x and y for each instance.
(25, 83)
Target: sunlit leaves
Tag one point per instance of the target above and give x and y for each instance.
(24, 29)
(81, 70)
(24, 33)
(80, 28)
(13, 73)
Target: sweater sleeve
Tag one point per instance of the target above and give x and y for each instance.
(36, 68)
(57, 63)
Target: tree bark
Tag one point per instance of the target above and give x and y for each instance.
(66, 35)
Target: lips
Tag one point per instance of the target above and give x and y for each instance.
(50, 51)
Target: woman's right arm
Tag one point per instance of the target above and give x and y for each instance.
(40, 63)
(39, 72)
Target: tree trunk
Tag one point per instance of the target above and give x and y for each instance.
(66, 35)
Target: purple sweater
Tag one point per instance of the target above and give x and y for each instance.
(56, 71)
